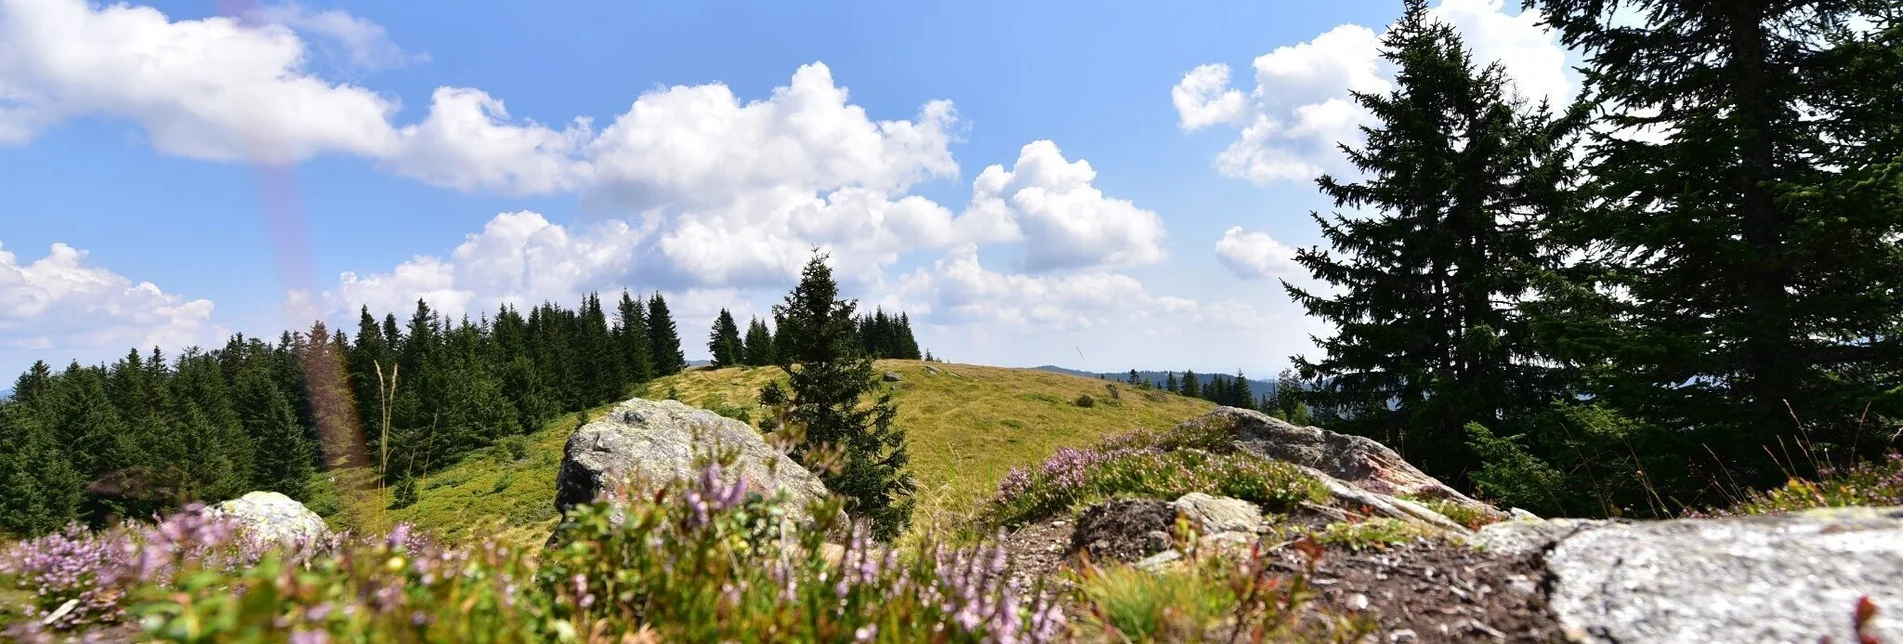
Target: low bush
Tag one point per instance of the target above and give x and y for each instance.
(1085, 401)
(1194, 457)
(1876, 484)
(697, 561)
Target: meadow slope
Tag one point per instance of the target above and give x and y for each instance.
(966, 425)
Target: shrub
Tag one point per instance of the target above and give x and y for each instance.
(1878, 484)
(405, 493)
(510, 449)
(1072, 478)
(1085, 401)
(502, 483)
(696, 561)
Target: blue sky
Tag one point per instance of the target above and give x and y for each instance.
(176, 171)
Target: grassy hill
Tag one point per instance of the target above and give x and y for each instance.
(966, 426)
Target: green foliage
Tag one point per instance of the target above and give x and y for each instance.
(631, 340)
(1427, 339)
(1194, 457)
(706, 561)
(511, 449)
(887, 336)
(1378, 533)
(404, 495)
(818, 333)
(1874, 484)
(664, 341)
(724, 341)
(758, 344)
(1584, 460)
(1085, 401)
(1743, 270)
(1245, 598)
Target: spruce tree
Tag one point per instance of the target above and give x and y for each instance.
(604, 375)
(1745, 266)
(1169, 381)
(832, 374)
(1240, 395)
(664, 341)
(758, 344)
(1457, 171)
(1191, 388)
(631, 337)
(283, 462)
(39, 489)
(724, 341)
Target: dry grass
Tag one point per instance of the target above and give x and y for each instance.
(966, 426)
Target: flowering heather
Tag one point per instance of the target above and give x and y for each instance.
(700, 560)
(1874, 484)
(1195, 457)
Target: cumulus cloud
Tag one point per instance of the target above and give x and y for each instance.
(62, 302)
(519, 258)
(207, 89)
(1063, 220)
(1301, 105)
(958, 289)
(1255, 255)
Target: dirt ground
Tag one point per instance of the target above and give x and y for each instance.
(1426, 591)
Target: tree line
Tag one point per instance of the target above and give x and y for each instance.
(147, 433)
(1687, 282)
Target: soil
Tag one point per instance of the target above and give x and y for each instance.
(1426, 591)
(1436, 591)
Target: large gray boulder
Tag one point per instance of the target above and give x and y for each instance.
(1781, 578)
(644, 443)
(1356, 460)
(273, 518)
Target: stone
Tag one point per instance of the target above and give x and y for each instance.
(1522, 536)
(1383, 505)
(645, 443)
(1123, 530)
(273, 518)
(893, 376)
(1359, 461)
(1220, 514)
(931, 370)
(1779, 578)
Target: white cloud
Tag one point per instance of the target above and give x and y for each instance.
(469, 142)
(957, 289)
(1064, 221)
(60, 307)
(519, 258)
(1255, 255)
(1203, 98)
(366, 45)
(206, 89)
(1301, 106)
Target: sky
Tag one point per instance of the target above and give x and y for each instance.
(1099, 185)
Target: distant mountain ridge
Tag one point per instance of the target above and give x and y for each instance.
(6, 394)
(1258, 386)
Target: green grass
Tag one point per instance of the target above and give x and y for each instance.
(1378, 533)
(965, 428)
(1873, 484)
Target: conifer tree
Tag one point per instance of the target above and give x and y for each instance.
(833, 373)
(1240, 395)
(1169, 381)
(39, 489)
(664, 341)
(1191, 388)
(1457, 170)
(1753, 253)
(724, 341)
(283, 461)
(631, 336)
(758, 344)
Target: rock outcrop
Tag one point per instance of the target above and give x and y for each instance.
(1359, 461)
(644, 443)
(1780, 578)
(273, 518)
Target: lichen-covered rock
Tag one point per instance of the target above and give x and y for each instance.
(1520, 536)
(1781, 578)
(1219, 514)
(893, 376)
(1359, 461)
(273, 518)
(645, 443)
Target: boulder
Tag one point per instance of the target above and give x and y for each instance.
(1781, 578)
(1359, 461)
(1520, 536)
(893, 376)
(1219, 514)
(273, 518)
(1124, 530)
(643, 443)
